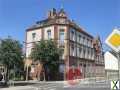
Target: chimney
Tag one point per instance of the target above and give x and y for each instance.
(49, 14)
(52, 13)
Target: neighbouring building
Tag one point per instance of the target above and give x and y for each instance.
(80, 49)
(111, 66)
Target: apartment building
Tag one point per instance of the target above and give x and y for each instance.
(79, 48)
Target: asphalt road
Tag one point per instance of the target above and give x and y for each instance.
(59, 86)
(62, 86)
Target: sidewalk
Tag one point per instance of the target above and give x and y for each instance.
(64, 83)
(18, 88)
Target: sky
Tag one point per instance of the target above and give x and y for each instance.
(95, 16)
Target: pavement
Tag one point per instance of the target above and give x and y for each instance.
(105, 85)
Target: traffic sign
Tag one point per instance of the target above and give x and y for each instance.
(113, 40)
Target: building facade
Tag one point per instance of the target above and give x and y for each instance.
(79, 48)
(111, 66)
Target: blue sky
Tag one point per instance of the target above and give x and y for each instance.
(95, 16)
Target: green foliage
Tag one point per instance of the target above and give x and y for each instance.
(11, 54)
(46, 52)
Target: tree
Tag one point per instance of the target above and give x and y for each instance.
(11, 55)
(47, 53)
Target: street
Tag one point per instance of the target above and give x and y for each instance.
(62, 86)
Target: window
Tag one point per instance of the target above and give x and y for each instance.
(73, 52)
(92, 54)
(61, 35)
(79, 52)
(72, 35)
(61, 68)
(88, 56)
(84, 40)
(62, 53)
(88, 42)
(79, 38)
(49, 34)
(33, 36)
(81, 55)
(91, 43)
(84, 53)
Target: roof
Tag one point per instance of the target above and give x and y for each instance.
(55, 20)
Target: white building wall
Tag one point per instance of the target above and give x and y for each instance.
(38, 35)
(29, 39)
(111, 62)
